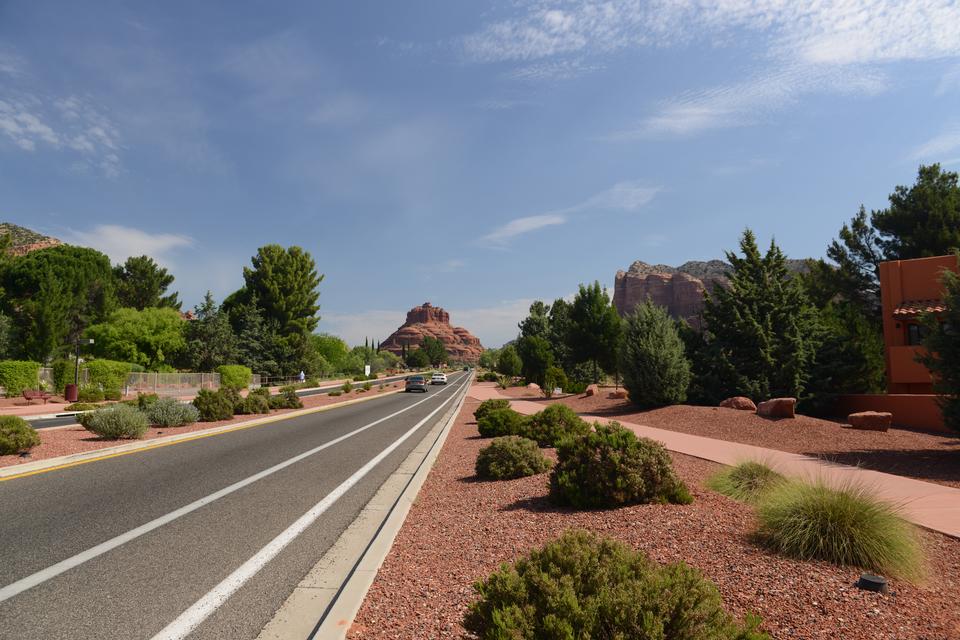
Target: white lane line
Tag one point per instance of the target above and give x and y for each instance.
(54, 570)
(190, 619)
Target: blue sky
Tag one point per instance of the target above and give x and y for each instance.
(478, 155)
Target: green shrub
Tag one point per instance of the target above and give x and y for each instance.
(511, 457)
(169, 412)
(114, 395)
(116, 421)
(16, 435)
(747, 481)
(17, 375)
(575, 387)
(489, 376)
(335, 393)
(90, 394)
(108, 374)
(256, 403)
(213, 405)
(489, 405)
(81, 406)
(287, 399)
(63, 374)
(260, 391)
(310, 383)
(554, 423)
(652, 357)
(847, 526)
(359, 378)
(146, 400)
(554, 378)
(234, 376)
(501, 422)
(347, 387)
(611, 467)
(367, 386)
(583, 586)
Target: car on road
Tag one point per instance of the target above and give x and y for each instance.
(415, 383)
(438, 378)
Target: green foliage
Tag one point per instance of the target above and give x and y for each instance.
(761, 333)
(335, 393)
(559, 333)
(234, 376)
(253, 403)
(435, 350)
(209, 340)
(287, 399)
(107, 374)
(142, 283)
(90, 394)
(747, 481)
(417, 359)
(367, 386)
(346, 387)
(510, 457)
(333, 349)
(595, 329)
(148, 338)
(53, 294)
(847, 526)
(553, 424)
(508, 362)
(146, 400)
(583, 586)
(16, 435)
(537, 358)
(653, 360)
(116, 421)
(17, 375)
(114, 395)
(169, 412)
(501, 422)
(922, 220)
(487, 406)
(489, 376)
(554, 378)
(537, 323)
(81, 406)
(942, 356)
(488, 359)
(63, 372)
(213, 405)
(612, 467)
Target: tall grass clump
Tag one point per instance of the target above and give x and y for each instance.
(584, 586)
(747, 481)
(847, 526)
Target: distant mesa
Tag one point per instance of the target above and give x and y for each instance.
(428, 320)
(23, 240)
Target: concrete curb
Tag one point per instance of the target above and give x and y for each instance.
(74, 459)
(326, 601)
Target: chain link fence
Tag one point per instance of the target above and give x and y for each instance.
(171, 384)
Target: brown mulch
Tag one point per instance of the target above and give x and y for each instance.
(460, 529)
(62, 441)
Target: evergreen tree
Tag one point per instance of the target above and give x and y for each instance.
(537, 323)
(655, 368)
(508, 362)
(142, 283)
(761, 333)
(435, 350)
(595, 329)
(417, 359)
(942, 350)
(536, 358)
(922, 220)
(210, 339)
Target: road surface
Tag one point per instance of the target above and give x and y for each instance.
(176, 541)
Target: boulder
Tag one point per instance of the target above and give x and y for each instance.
(870, 420)
(592, 390)
(619, 394)
(777, 408)
(740, 403)
(533, 386)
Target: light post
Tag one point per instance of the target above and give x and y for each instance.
(72, 391)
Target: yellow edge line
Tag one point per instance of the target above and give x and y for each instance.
(248, 425)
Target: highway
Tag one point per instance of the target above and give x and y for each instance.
(202, 539)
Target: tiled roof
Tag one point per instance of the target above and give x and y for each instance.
(909, 308)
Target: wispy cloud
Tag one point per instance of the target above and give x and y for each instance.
(554, 70)
(11, 64)
(623, 196)
(950, 82)
(933, 150)
(121, 242)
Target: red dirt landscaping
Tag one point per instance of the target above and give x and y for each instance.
(69, 440)
(460, 529)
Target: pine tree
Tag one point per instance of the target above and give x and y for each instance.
(761, 333)
(595, 329)
(655, 368)
(942, 346)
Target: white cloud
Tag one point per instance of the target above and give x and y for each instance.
(946, 142)
(520, 226)
(121, 242)
(554, 70)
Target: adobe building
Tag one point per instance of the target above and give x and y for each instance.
(908, 289)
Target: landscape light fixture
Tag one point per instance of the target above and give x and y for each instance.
(870, 582)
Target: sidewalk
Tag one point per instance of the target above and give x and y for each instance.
(929, 505)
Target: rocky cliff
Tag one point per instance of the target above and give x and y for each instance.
(680, 289)
(428, 320)
(23, 240)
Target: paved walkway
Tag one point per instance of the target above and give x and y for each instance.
(927, 504)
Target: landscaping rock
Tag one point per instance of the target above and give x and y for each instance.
(870, 420)
(533, 386)
(740, 403)
(592, 390)
(777, 408)
(619, 394)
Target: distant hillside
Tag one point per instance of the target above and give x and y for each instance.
(25, 240)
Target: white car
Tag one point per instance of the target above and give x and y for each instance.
(438, 378)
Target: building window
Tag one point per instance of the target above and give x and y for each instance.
(915, 334)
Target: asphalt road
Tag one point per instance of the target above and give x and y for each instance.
(71, 419)
(143, 583)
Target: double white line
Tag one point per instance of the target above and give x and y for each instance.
(186, 622)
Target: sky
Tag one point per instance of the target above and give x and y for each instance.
(477, 155)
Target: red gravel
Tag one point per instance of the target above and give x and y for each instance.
(68, 440)
(459, 530)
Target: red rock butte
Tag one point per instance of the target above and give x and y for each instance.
(428, 320)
